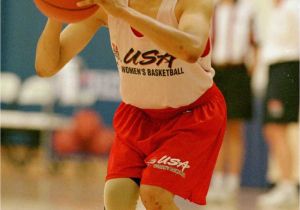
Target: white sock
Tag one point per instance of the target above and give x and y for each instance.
(232, 182)
(217, 180)
(287, 185)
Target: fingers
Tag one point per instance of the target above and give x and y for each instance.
(86, 3)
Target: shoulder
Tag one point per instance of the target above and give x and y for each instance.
(195, 2)
(192, 6)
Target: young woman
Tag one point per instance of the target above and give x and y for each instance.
(171, 122)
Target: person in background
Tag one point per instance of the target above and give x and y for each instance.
(281, 53)
(233, 41)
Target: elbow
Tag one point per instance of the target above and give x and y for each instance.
(42, 74)
(192, 54)
(191, 57)
(45, 66)
(195, 50)
(41, 71)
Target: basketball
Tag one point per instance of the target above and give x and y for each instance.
(86, 124)
(101, 142)
(65, 11)
(65, 142)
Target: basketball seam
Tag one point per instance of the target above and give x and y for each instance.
(58, 7)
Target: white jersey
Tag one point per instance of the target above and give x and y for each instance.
(151, 78)
(233, 27)
(282, 38)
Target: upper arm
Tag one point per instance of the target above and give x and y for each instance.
(75, 37)
(195, 19)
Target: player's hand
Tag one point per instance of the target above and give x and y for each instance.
(112, 7)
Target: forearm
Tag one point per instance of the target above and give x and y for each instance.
(48, 49)
(56, 47)
(180, 44)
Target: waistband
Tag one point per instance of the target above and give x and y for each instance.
(284, 63)
(228, 66)
(171, 112)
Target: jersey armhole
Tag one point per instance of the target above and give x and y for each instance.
(207, 49)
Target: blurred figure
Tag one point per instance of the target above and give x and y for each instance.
(281, 54)
(233, 42)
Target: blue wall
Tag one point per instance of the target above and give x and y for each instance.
(21, 26)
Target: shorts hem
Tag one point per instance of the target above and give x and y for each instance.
(283, 121)
(177, 192)
(121, 176)
(245, 118)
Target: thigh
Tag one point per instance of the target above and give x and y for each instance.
(114, 196)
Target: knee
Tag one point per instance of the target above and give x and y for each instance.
(156, 198)
(273, 131)
(235, 130)
(116, 199)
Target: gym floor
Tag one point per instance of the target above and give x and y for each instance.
(76, 185)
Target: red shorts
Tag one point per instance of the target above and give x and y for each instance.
(175, 149)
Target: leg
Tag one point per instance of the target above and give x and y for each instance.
(281, 108)
(276, 135)
(236, 146)
(285, 192)
(238, 97)
(231, 156)
(157, 198)
(120, 194)
(217, 182)
(220, 164)
(227, 174)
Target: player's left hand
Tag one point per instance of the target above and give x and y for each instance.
(112, 7)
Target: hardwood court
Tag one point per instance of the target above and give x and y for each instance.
(77, 185)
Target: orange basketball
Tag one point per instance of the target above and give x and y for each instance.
(86, 123)
(65, 142)
(101, 142)
(65, 10)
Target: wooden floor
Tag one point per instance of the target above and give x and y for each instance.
(76, 185)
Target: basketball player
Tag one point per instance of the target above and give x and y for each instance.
(233, 39)
(171, 122)
(281, 53)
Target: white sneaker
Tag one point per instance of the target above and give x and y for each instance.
(216, 195)
(280, 196)
(222, 196)
(232, 186)
(223, 189)
(216, 190)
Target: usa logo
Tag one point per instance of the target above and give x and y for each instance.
(171, 164)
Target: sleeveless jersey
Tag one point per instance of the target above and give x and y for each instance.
(151, 78)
